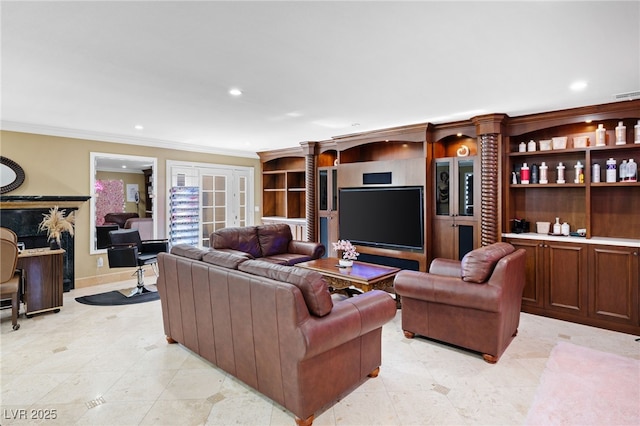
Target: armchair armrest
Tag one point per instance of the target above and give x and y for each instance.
(448, 267)
(448, 290)
(308, 248)
(155, 246)
(348, 320)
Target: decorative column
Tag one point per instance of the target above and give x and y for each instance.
(310, 189)
(489, 129)
(489, 172)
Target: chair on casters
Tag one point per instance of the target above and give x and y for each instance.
(128, 250)
(9, 277)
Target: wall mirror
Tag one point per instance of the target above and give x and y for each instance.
(121, 186)
(11, 175)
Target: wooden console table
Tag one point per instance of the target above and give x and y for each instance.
(42, 272)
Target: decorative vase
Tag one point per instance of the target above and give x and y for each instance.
(54, 244)
(345, 262)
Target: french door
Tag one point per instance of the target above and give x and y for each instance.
(225, 195)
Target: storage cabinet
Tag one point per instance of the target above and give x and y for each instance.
(283, 187)
(455, 219)
(42, 271)
(592, 280)
(455, 193)
(613, 284)
(327, 181)
(556, 276)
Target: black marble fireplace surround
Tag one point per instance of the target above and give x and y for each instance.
(18, 215)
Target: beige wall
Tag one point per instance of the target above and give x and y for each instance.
(60, 166)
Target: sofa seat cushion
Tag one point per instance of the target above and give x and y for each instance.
(188, 251)
(244, 239)
(274, 238)
(225, 259)
(288, 259)
(313, 286)
(478, 264)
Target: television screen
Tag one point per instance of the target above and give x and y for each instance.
(387, 217)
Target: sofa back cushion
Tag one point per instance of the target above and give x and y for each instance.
(224, 259)
(313, 286)
(274, 238)
(477, 265)
(185, 250)
(243, 239)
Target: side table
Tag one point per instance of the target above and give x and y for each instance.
(42, 274)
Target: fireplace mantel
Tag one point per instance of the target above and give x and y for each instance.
(23, 214)
(13, 202)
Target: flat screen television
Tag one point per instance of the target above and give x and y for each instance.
(389, 217)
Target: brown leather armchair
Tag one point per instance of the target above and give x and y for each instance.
(474, 303)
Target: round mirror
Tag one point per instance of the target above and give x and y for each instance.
(11, 175)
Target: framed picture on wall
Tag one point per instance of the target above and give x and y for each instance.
(132, 193)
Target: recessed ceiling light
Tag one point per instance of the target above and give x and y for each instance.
(139, 127)
(235, 92)
(578, 85)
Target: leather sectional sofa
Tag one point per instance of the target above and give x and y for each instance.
(272, 243)
(274, 327)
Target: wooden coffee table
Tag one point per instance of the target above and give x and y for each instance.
(362, 275)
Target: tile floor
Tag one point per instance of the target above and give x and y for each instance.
(92, 365)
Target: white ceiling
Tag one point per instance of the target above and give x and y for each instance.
(308, 70)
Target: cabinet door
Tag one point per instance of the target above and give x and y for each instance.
(328, 208)
(566, 275)
(43, 282)
(534, 271)
(613, 284)
(455, 225)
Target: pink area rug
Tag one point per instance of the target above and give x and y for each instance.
(582, 386)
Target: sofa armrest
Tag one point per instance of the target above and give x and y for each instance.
(309, 248)
(448, 267)
(349, 319)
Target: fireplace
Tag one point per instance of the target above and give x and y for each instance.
(23, 213)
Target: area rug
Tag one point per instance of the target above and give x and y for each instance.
(116, 297)
(582, 386)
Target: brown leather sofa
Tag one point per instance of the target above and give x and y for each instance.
(272, 242)
(119, 218)
(474, 303)
(274, 327)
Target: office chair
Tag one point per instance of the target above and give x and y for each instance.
(128, 250)
(10, 278)
(8, 234)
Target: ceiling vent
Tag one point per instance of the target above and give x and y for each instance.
(629, 96)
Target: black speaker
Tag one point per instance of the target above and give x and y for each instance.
(376, 178)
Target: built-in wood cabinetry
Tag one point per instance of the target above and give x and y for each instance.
(580, 281)
(148, 192)
(591, 279)
(283, 187)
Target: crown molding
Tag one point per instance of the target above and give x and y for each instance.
(122, 139)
